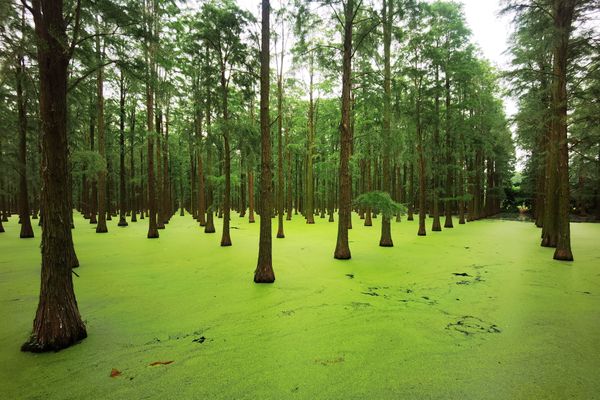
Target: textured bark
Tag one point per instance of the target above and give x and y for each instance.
(101, 226)
(264, 269)
(150, 49)
(226, 237)
(26, 228)
(57, 323)
(250, 196)
(210, 224)
(422, 178)
(122, 173)
(563, 11)
(411, 192)
(201, 193)
(309, 204)
(449, 159)
(387, 15)
(134, 189)
(242, 185)
(160, 224)
(166, 189)
(280, 233)
(342, 248)
(436, 225)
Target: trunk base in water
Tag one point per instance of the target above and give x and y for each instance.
(563, 255)
(280, 235)
(101, 229)
(225, 241)
(33, 345)
(153, 234)
(264, 274)
(122, 222)
(448, 223)
(386, 243)
(342, 254)
(548, 242)
(26, 233)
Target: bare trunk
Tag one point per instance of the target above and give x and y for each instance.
(264, 269)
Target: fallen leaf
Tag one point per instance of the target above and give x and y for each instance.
(160, 363)
(114, 373)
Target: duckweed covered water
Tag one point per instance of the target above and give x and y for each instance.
(475, 312)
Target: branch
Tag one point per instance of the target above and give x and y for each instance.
(88, 73)
(75, 29)
(360, 40)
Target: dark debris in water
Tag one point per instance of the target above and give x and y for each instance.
(351, 276)
(460, 274)
(470, 325)
(200, 340)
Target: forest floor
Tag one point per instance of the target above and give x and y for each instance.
(476, 312)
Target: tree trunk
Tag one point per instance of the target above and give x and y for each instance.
(387, 15)
(150, 50)
(134, 189)
(122, 192)
(436, 225)
(264, 269)
(563, 11)
(26, 228)
(57, 323)
(280, 233)
(226, 238)
(101, 187)
(342, 248)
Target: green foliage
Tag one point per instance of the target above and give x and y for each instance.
(379, 202)
(87, 163)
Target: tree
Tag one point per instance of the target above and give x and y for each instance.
(57, 323)
(264, 270)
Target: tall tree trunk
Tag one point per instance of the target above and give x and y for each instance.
(166, 189)
(250, 195)
(264, 269)
(387, 16)
(449, 157)
(280, 233)
(563, 12)
(226, 238)
(26, 228)
(159, 168)
(201, 193)
(422, 178)
(436, 225)
(150, 54)
(342, 248)
(309, 204)
(210, 212)
(134, 190)
(57, 323)
(122, 190)
(101, 227)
